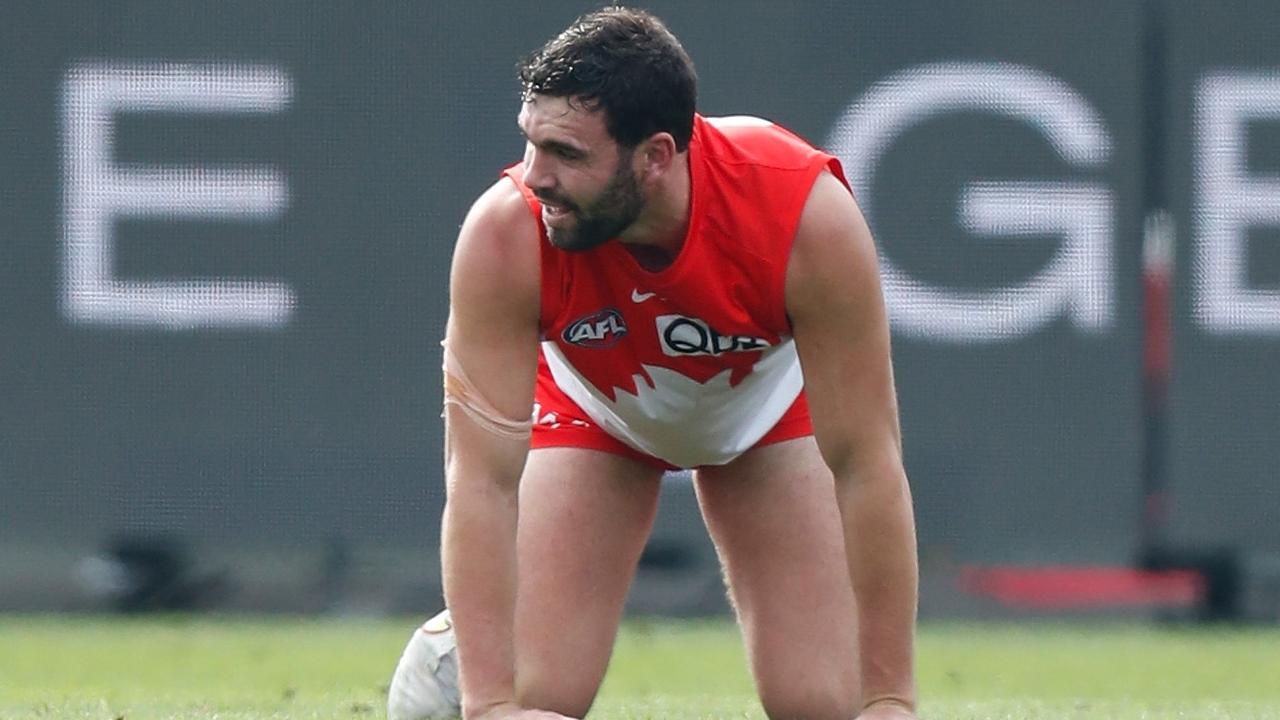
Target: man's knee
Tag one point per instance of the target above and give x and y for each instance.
(562, 692)
(808, 698)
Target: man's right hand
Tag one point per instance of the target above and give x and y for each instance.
(493, 334)
(511, 711)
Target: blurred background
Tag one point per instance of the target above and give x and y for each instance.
(225, 231)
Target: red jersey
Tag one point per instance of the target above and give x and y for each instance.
(693, 364)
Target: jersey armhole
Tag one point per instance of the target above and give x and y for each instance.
(549, 300)
(821, 163)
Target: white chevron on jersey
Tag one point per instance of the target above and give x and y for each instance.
(683, 421)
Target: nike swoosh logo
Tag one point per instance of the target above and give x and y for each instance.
(639, 297)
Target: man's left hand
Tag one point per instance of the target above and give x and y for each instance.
(887, 710)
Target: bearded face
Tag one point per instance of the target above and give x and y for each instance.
(577, 224)
(585, 180)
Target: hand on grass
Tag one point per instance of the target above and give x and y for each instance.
(511, 711)
(887, 709)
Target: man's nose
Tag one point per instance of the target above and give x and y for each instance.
(537, 175)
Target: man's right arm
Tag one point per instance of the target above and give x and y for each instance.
(494, 301)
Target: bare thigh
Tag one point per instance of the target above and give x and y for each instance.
(584, 518)
(773, 516)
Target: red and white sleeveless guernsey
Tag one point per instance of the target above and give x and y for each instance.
(692, 365)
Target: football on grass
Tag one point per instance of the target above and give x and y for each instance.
(425, 684)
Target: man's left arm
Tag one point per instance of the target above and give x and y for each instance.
(835, 303)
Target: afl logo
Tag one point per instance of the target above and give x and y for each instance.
(600, 329)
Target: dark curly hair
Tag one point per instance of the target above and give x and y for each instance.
(625, 61)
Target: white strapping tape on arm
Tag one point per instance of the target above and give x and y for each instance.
(460, 391)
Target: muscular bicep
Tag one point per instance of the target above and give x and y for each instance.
(492, 333)
(837, 309)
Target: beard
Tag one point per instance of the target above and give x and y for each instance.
(605, 218)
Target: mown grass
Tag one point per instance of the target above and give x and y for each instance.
(204, 668)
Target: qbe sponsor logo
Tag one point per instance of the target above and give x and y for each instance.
(681, 335)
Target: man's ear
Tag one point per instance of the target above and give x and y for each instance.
(657, 155)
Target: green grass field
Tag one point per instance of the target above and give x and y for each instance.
(235, 668)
